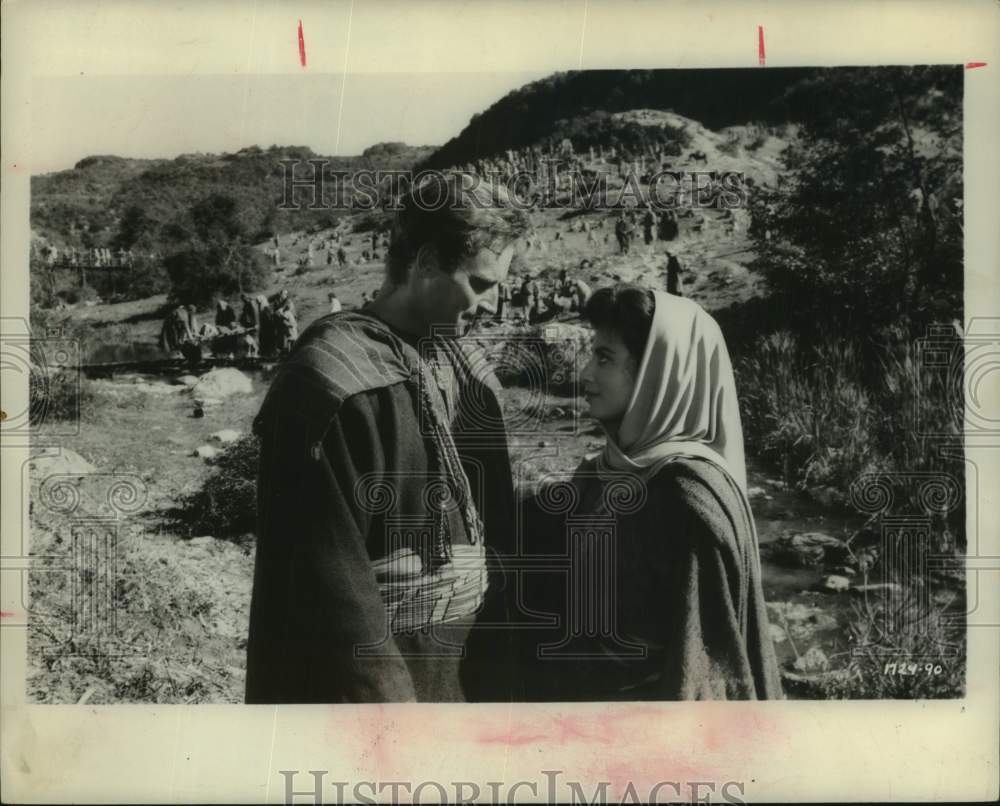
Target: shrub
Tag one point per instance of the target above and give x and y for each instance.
(199, 274)
(923, 658)
(830, 412)
(226, 506)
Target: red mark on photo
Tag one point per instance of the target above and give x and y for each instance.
(973, 65)
(760, 44)
(7, 614)
(302, 46)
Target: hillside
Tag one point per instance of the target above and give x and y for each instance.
(576, 104)
(83, 207)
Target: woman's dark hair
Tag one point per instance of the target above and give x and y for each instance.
(627, 309)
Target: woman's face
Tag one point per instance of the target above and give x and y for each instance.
(609, 378)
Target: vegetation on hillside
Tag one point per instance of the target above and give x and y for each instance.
(534, 113)
(861, 250)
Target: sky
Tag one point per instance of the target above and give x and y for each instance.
(335, 115)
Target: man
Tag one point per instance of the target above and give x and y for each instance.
(384, 476)
(335, 305)
(176, 330)
(674, 275)
(225, 316)
(623, 232)
(649, 222)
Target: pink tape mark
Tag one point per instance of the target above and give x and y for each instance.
(302, 46)
(760, 44)
(974, 65)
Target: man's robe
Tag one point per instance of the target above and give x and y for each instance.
(347, 467)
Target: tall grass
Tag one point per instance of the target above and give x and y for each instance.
(827, 412)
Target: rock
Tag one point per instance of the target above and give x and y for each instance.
(801, 621)
(808, 548)
(66, 462)
(836, 583)
(222, 382)
(226, 436)
(187, 380)
(777, 633)
(205, 540)
(814, 660)
(758, 492)
(206, 452)
(828, 497)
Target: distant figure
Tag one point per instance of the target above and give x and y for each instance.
(192, 319)
(176, 330)
(225, 316)
(674, 275)
(286, 327)
(503, 302)
(623, 232)
(266, 333)
(648, 223)
(250, 322)
(667, 229)
(335, 306)
(341, 257)
(365, 302)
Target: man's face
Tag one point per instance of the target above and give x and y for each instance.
(455, 300)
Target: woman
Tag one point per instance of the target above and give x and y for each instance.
(654, 573)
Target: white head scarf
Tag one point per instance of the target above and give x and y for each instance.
(684, 402)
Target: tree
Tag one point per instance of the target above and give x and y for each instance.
(199, 274)
(214, 255)
(862, 230)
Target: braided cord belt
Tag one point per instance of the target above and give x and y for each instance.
(453, 584)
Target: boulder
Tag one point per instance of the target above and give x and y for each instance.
(807, 549)
(226, 436)
(206, 452)
(65, 462)
(836, 583)
(801, 621)
(222, 382)
(187, 380)
(814, 660)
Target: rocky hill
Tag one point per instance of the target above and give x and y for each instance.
(577, 105)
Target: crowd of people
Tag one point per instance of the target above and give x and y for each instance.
(265, 327)
(97, 257)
